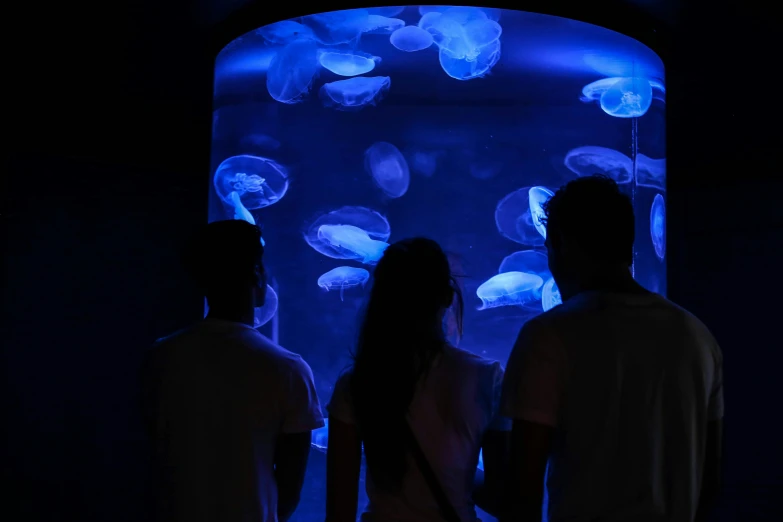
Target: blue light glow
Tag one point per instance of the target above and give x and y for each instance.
(658, 226)
(514, 220)
(410, 39)
(355, 93)
(292, 70)
(336, 233)
(285, 32)
(509, 289)
(264, 314)
(256, 182)
(550, 295)
(586, 161)
(343, 277)
(537, 197)
(622, 97)
(386, 164)
(530, 261)
(346, 63)
(651, 172)
(352, 242)
(377, 24)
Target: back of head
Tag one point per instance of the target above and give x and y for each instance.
(401, 334)
(225, 257)
(592, 215)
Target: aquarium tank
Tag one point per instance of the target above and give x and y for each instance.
(342, 132)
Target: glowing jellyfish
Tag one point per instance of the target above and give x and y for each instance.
(292, 70)
(411, 39)
(621, 97)
(386, 11)
(355, 93)
(343, 277)
(240, 212)
(258, 182)
(345, 63)
(285, 32)
(263, 314)
(377, 24)
(509, 289)
(587, 161)
(388, 168)
(469, 69)
(550, 295)
(338, 27)
(658, 89)
(537, 197)
(422, 161)
(529, 261)
(514, 221)
(319, 438)
(353, 242)
(658, 226)
(368, 223)
(491, 12)
(650, 172)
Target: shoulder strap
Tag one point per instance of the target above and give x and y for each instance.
(446, 508)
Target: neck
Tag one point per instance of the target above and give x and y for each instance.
(618, 280)
(235, 310)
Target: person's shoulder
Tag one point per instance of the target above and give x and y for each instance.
(282, 358)
(466, 359)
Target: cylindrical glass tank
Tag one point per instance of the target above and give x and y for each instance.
(344, 131)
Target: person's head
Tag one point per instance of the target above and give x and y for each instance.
(225, 261)
(589, 231)
(401, 334)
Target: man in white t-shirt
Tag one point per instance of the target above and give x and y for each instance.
(617, 390)
(230, 413)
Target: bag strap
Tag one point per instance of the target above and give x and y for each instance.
(446, 507)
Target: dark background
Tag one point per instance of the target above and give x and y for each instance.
(108, 141)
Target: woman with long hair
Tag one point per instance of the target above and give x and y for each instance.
(420, 408)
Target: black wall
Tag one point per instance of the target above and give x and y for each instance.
(108, 141)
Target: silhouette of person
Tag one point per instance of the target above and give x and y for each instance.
(617, 389)
(407, 382)
(230, 413)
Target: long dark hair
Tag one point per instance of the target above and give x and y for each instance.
(400, 336)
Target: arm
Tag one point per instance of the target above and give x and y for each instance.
(490, 491)
(711, 478)
(530, 444)
(343, 464)
(291, 453)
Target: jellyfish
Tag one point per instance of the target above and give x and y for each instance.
(514, 220)
(338, 27)
(285, 32)
(410, 39)
(347, 63)
(263, 314)
(319, 438)
(258, 182)
(355, 93)
(343, 277)
(491, 12)
(353, 242)
(467, 69)
(658, 226)
(388, 168)
(377, 24)
(240, 212)
(386, 11)
(538, 196)
(292, 70)
(423, 162)
(550, 295)
(508, 289)
(658, 89)
(586, 161)
(529, 261)
(370, 222)
(650, 172)
(621, 97)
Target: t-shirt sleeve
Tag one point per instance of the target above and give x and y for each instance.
(340, 406)
(715, 406)
(535, 376)
(498, 421)
(303, 410)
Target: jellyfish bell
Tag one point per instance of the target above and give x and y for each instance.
(586, 161)
(514, 220)
(348, 233)
(355, 93)
(550, 295)
(347, 63)
(410, 39)
(508, 289)
(650, 172)
(291, 71)
(388, 168)
(377, 24)
(285, 32)
(658, 226)
(258, 182)
(627, 98)
(469, 69)
(353, 243)
(338, 27)
(537, 196)
(343, 277)
(529, 261)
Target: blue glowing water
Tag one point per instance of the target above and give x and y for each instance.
(343, 277)
(342, 132)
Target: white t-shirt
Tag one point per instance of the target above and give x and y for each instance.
(458, 382)
(629, 382)
(217, 396)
